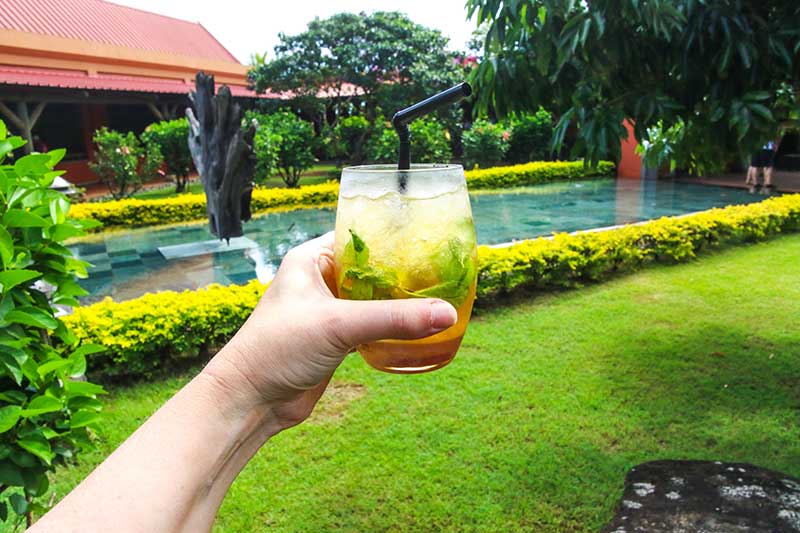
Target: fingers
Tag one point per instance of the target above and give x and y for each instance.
(368, 321)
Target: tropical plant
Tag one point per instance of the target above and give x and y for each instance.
(295, 142)
(171, 137)
(530, 137)
(124, 163)
(47, 408)
(717, 66)
(485, 144)
(430, 142)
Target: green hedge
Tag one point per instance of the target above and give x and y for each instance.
(133, 213)
(160, 329)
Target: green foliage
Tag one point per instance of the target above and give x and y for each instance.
(659, 145)
(132, 212)
(715, 66)
(485, 144)
(266, 145)
(124, 163)
(362, 51)
(349, 138)
(430, 142)
(172, 139)
(45, 415)
(530, 137)
(156, 330)
(295, 141)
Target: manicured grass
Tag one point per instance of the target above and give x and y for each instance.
(548, 404)
(316, 174)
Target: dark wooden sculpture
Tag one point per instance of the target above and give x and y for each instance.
(223, 156)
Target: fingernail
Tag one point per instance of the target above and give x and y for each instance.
(443, 315)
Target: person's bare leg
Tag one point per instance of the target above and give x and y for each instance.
(767, 176)
(751, 176)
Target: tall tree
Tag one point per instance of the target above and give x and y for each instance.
(717, 70)
(385, 58)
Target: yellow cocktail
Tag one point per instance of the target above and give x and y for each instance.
(407, 234)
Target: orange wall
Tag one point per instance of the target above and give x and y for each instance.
(630, 164)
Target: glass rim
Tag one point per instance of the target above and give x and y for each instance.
(392, 168)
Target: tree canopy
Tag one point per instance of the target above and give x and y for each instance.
(722, 72)
(386, 57)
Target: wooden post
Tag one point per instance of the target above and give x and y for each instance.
(23, 121)
(153, 109)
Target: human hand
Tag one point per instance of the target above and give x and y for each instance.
(299, 333)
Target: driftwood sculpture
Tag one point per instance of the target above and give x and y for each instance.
(223, 156)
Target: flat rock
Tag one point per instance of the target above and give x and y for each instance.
(708, 497)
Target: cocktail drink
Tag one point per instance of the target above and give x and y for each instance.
(407, 234)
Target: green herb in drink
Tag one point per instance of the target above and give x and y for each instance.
(453, 265)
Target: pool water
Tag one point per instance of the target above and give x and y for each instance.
(128, 264)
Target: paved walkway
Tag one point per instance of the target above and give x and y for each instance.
(784, 181)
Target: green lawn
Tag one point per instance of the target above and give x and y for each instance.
(546, 407)
(316, 174)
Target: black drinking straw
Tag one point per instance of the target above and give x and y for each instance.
(403, 118)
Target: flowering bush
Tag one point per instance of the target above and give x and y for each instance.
(124, 163)
(485, 144)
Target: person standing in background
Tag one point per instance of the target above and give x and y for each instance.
(763, 160)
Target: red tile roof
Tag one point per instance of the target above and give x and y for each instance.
(103, 22)
(77, 79)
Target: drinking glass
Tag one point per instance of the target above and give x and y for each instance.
(407, 234)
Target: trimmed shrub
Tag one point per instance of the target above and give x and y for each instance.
(535, 173)
(157, 329)
(265, 146)
(133, 213)
(430, 142)
(162, 329)
(530, 137)
(172, 138)
(295, 139)
(485, 144)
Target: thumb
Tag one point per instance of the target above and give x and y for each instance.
(368, 321)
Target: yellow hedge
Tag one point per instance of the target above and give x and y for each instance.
(157, 329)
(189, 207)
(132, 212)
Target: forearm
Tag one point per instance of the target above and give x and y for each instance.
(174, 471)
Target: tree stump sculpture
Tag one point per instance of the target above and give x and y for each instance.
(223, 156)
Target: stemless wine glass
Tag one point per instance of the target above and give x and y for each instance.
(407, 234)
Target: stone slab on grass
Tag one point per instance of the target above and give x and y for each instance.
(707, 496)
